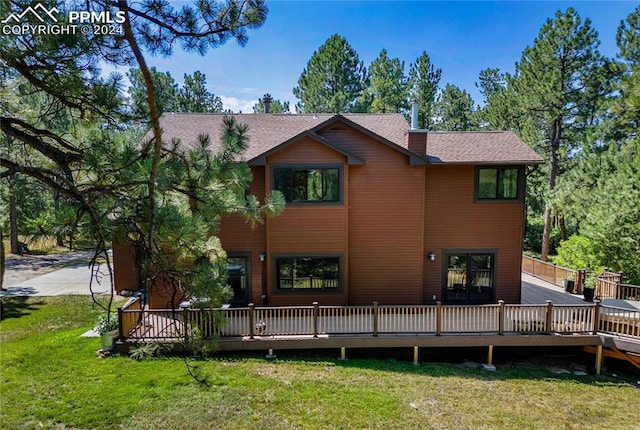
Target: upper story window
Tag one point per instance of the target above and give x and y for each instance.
(498, 183)
(307, 184)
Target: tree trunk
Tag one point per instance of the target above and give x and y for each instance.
(563, 227)
(56, 206)
(13, 218)
(1, 259)
(546, 234)
(556, 132)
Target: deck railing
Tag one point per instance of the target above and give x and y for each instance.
(609, 286)
(619, 321)
(553, 273)
(139, 325)
(129, 316)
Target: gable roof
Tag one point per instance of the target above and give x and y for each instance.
(479, 147)
(269, 133)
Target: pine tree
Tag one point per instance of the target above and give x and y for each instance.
(455, 110)
(423, 87)
(388, 88)
(96, 161)
(165, 89)
(333, 80)
(193, 96)
(560, 82)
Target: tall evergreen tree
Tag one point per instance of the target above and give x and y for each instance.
(388, 85)
(333, 80)
(165, 89)
(455, 110)
(628, 38)
(193, 96)
(560, 80)
(102, 171)
(423, 87)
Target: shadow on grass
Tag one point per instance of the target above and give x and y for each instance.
(18, 306)
(531, 364)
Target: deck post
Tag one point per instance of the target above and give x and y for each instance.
(187, 321)
(415, 356)
(270, 355)
(315, 319)
(490, 356)
(596, 316)
(501, 317)
(375, 318)
(549, 321)
(438, 318)
(343, 353)
(252, 320)
(598, 359)
(120, 333)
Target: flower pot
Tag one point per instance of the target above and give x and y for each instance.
(569, 285)
(106, 339)
(588, 294)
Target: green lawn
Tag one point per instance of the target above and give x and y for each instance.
(51, 378)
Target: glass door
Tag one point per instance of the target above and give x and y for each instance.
(238, 269)
(468, 278)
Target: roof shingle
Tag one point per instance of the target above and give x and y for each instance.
(267, 131)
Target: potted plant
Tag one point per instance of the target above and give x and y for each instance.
(106, 328)
(589, 288)
(569, 283)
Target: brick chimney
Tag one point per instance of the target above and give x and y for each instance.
(416, 141)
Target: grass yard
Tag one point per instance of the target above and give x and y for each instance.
(51, 378)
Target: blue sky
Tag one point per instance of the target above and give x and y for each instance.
(462, 38)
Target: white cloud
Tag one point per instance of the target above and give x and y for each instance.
(238, 105)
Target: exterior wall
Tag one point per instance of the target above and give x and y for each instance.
(390, 216)
(309, 228)
(385, 222)
(125, 273)
(239, 238)
(454, 222)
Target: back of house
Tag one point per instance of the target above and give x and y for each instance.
(375, 211)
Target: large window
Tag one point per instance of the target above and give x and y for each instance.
(308, 184)
(308, 273)
(498, 183)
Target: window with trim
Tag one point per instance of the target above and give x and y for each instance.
(307, 273)
(301, 184)
(497, 183)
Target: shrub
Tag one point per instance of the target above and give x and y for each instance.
(578, 252)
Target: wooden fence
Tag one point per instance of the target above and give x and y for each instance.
(374, 320)
(553, 273)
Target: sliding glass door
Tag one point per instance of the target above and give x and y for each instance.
(469, 278)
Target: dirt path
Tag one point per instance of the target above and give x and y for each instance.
(19, 268)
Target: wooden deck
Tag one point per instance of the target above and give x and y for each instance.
(563, 320)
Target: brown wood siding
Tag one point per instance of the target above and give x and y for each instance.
(238, 237)
(454, 221)
(125, 273)
(385, 222)
(308, 229)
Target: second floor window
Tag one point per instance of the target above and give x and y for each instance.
(308, 184)
(499, 183)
